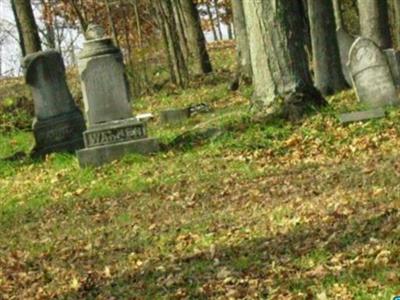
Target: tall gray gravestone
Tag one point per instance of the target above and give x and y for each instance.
(112, 131)
(371, 74)
(58, 123)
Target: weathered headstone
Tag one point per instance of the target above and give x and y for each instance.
(174, 115)
(393, 57)
(58, 123)
(371, 75)
(345, 40)
(362, 115)
(177, 115)
(112, 131)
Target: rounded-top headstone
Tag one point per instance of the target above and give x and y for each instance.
(45, 74)
(58, 123)
(371, 74)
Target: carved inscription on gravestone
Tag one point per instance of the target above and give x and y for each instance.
(371, 75)
(114, 135)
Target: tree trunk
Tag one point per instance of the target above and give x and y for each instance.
(217, 18)
(112, 24)
(396, 27)
(279, 59)
(179, 72)
(338, 14)
(19, 29)
(29, 29)
(242, 40)
(328, 76)
(80, 15)
(196, 39)
(211, 18)
(180, 30)
(230, 31)
(374, 21)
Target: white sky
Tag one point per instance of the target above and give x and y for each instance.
(9, 50)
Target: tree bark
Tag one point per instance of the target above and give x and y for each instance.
(19, 29)
(328, 76)
(179, 72)
(242, 39)
(196, 39)
(29, 29)
(279, 59)
(83, 23)
(396, 29)
(230, 31)
(180, 30)
(374, 21)
(338, 14)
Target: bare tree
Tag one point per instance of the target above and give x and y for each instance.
(29, 30)
(195, 37)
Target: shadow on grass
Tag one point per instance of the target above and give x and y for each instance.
(273, 261)
(229, 123)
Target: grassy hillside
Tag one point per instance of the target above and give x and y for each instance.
(256, 210)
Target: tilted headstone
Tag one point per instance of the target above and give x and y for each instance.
(393, 57)
(345, 40)
(112, 131)
(58, 123)
(371, 75)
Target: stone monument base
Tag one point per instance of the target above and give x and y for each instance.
(109, 141)
(97, 156)
(58, 134)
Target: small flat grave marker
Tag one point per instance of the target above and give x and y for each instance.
(174, 115)
(361, 115)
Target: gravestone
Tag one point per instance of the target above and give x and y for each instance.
(371, 74)
(174, 115)
(345, 41)
(178, 115)
(362, 115)
(58, 123)
(112, 131)
(393, 57)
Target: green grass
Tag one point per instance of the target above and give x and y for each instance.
(263, 208)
